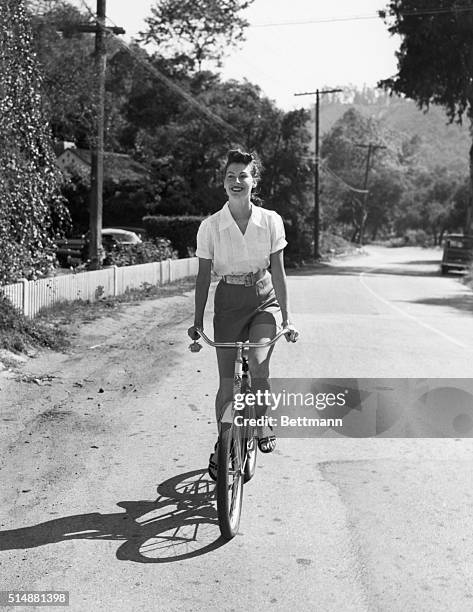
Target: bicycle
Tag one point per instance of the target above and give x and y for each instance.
(237, 443)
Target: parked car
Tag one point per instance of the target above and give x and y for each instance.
(74, 251)
(120, 236)
(457, 252)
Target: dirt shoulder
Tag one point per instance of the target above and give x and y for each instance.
(75, 427)
(111, 355)
(93, 332)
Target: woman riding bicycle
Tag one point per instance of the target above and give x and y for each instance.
(241, 241)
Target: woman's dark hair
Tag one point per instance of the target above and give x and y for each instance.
(237, 156)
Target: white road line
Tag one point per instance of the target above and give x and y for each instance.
(407, 315)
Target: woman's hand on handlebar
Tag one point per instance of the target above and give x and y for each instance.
(293, 334)
(193, 331)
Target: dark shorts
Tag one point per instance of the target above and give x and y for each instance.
(237, 308)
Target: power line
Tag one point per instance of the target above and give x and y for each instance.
(336, 177)
(311, 21)
(419, 13)
(413, 13)
(331, 173)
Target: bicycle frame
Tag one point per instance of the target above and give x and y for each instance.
(238, 370)
(238, 376)
(237, 444)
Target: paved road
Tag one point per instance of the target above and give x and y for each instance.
(330, 523)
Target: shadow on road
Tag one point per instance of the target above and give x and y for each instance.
(181, 523)
(393, 269)
(417, 262)
(463, 302)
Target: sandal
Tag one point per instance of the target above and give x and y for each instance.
(267, 444)
(212, 469)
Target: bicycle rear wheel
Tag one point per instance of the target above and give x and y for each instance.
(229, 480)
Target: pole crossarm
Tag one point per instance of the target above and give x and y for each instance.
(318, 91)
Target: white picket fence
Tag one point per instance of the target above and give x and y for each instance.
(31, 296)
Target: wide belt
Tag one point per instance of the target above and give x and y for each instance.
(248, 280)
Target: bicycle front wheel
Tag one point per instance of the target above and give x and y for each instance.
(229, 481)
(250, 465)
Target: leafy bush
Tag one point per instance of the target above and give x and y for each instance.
(417, 238)
(144, 252)
(331, 244)
(17, 333)
(299, 236)
(181, 231)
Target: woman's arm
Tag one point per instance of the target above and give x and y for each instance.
(280, 287)
(202, 285)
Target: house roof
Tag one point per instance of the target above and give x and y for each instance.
(118, 167)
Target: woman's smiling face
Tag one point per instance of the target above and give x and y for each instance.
(239, 180)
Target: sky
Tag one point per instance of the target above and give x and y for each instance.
(346, 44)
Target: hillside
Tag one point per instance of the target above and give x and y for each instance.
(442, 144)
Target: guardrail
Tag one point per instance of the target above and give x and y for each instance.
(31, 296)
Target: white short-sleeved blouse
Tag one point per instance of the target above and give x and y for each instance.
(220, 239)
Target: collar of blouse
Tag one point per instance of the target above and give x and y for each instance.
(226, 219)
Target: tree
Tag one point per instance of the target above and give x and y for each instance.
(196, 30)
(437, 212)
(287, 185)
(461, 200)
(65, 57)
(186, 152)
(386, 186)
(345, 162)
(435, 60)
(31, 207)
(169, 129)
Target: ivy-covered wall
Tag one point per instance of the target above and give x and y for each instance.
(31, 208)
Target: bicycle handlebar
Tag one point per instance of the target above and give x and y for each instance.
(245, 344)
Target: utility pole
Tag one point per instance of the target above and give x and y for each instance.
(371, 149)
(317, 94)
(97, 149)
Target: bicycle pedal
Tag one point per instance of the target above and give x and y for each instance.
(195, 347)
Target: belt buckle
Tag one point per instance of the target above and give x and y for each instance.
(232, 279)
(249, 280)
